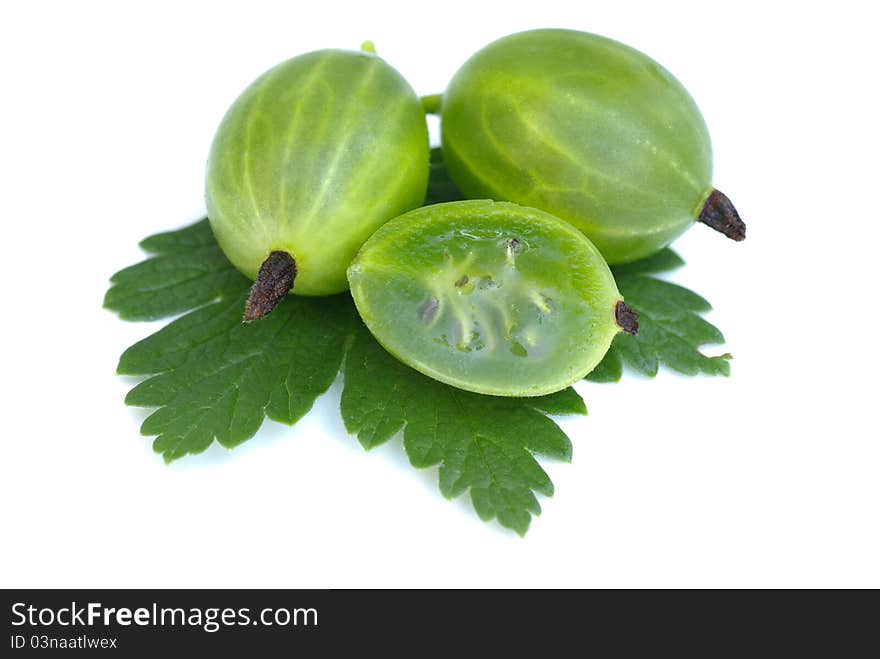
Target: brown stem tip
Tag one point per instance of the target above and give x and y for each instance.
(718, 212)
(627, 318)
(274, 281)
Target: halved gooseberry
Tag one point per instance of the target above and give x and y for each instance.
(490, 297)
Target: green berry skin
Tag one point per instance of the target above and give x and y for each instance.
(585, 128)
(490, 297)
(312, 158)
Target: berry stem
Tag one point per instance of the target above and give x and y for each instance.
(274, 281)
(718, 212)
(627, 318)
(431, 103)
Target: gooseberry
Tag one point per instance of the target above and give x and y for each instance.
(589, 130)
(490, 297)
(311, 159)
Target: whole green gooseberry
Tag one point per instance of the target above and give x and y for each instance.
(490, 297)
(309, 161)
(589, 130)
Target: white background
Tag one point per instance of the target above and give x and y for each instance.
(769, 478)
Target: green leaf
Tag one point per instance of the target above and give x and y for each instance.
(211, 377)
(214, 377)
(483, 444)
(187, 271)
(662, 261)
(610, 369)
(671, 330)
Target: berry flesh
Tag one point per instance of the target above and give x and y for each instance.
(489, 297)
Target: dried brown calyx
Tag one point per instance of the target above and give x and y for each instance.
(718, 212)
(627, 318)
(274, 281)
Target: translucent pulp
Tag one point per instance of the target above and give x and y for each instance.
(490, 297)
